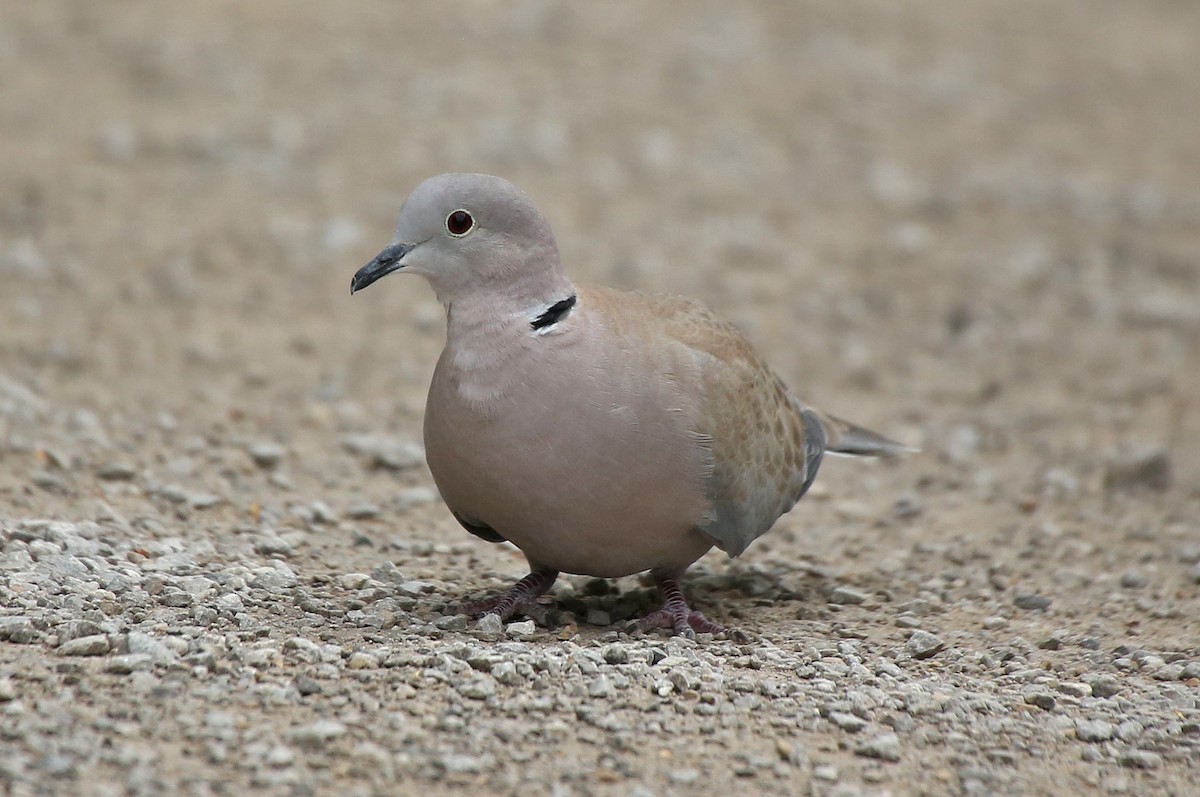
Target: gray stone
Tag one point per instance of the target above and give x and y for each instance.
(266, 455)
(1074, 689)
(847, 596)
(847, 722)
(683, 776)
(885, 747)
(159, 652)
(116, 471)
(271, 545)
(317, 734)
(95, 645)
(385, 452)
(599, 686)
(490, 626)
(307, 686)
(18, 629)
(505, 672)
(1031, 602)
(615, 654)
(362, 511)
(1140, 759)
(127, 663)
(1094, 730)
(1134, 580)
(521, 630)
(825, 772)
(477, 688)
(1129, 730)
(922, 645)
(1104, 685)
(1041, 698)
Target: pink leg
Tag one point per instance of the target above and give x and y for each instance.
(675, 613)
(520, 598)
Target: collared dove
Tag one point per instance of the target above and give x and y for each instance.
(601, 432)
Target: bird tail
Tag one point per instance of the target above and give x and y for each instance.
(843, 437)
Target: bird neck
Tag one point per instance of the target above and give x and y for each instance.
(492, 339)
(518, 306)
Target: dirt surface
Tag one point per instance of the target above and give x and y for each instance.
(972, 226)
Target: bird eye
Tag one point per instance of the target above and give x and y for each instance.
(459, 223)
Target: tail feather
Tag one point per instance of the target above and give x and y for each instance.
(843, 437)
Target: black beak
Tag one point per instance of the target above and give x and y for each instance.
(387, 261)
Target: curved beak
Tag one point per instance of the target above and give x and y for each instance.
(387, 261)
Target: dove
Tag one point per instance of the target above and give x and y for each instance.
(601, 432)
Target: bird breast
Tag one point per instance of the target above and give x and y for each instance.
(569, 447)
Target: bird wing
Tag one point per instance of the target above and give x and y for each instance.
(764, 447)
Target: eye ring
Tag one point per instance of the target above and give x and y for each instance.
(459, 223)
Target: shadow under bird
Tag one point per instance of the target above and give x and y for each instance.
(601, 432)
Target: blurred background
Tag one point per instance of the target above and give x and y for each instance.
(973, 226)
(932, 215)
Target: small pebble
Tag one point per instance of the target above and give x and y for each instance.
(307, 686)
(1129, 730)
(490, 626)
(128, 663)
(1094, 730)
(478, 688)
(266, 455)
(922, 645)
(1031, 602)
(116, 471)
(1104, 685)
(847, 596)
(847, 722)
(353, 580)
(1041, 699)
(318, 734)
(96, 645)
(1133, 580)
(599, 686)
(1140, 759)
(885, 747)
(825, 772)
(1073, 689)
(272, 546)
(521, 630)
(683, 777)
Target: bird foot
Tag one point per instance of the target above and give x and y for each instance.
(684, 623)
(676, 615)
(520, 598)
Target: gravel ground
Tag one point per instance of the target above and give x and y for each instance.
(972, 226)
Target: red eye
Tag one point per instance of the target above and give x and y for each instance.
(459, 222)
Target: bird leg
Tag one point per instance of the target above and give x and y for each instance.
(520, 598)
(675, 613)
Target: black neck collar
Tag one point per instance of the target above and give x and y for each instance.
(554, 313)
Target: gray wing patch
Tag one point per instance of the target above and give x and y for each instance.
(814, 448)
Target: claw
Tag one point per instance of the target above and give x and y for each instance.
(520, 598)
(676, 615)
